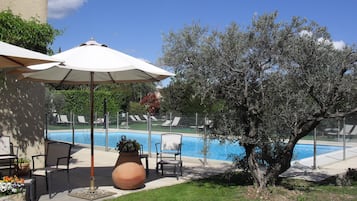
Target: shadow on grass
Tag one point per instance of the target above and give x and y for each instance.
(228, 179)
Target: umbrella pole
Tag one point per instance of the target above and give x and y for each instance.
(92, 193)
(92, 186)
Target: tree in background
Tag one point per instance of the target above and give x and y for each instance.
(70, 98)
(151, 103)
(276, 82)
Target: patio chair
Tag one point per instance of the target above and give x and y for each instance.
(146, 157)
(167, 123)
(168, 152)
(176, 121)
(132, 118)
(154, 118)
(138, 118)
(348, 129)
(98, 121)
(56, 159)
(62, 119)
(81, 120)
(7, 154)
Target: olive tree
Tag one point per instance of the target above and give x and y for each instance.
(277, 81)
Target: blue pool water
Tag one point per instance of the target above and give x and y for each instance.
(192, 146)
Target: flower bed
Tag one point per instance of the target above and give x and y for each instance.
(11, 185)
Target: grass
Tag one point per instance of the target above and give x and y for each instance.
(239, 188)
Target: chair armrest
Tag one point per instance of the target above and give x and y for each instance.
(66, 159)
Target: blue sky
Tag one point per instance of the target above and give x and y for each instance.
(136, 27)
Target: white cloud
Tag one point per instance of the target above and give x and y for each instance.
(61, 8)
(339, 45)
(305, 33)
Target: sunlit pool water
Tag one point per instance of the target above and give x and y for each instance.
(192, 146)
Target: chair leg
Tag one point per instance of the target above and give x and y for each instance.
(181, 168)
(46, 178)
(68, 181)
(49, 184)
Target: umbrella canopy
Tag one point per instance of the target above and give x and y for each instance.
(108, 65)
(12, 56)
(92, 63)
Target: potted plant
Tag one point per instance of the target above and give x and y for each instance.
(127, 145)
(23, 166)
(128, 173)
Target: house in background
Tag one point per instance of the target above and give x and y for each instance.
(22, 105)
(26, 9)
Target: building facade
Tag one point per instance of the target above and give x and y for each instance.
(26, 9)
(22, 110)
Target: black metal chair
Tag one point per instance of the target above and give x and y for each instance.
(8, 157)
(168, 152)
(57, 158)
(146, 156)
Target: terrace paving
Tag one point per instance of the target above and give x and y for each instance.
(327, 165)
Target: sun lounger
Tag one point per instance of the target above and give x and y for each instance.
(172, 123)
(348, 130)
(208, 123)
(132, 118)
(138, 118)
(82, 120)
(62, 119)
(176, 121)
(99, 121)
(154, 118)
(166, 123)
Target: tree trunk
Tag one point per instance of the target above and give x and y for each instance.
(265, 172)
(257, 172)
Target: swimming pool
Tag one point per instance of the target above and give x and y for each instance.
(192, 146)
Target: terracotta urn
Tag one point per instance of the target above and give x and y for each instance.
(128, 173)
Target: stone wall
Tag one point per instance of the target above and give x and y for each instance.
(22, 114)
(26, 9)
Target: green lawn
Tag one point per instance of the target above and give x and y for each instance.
(238, 188)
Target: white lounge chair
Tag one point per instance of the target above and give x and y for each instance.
(168, 152)
(81, 120)
(132, 118)
(99, 121)
(347, 129)
(176, 121)
(62, 119)
(145, 117)
(154, 118)
(138, 118)
(166, 123)
(208, 123)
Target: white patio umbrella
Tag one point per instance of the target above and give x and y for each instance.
(12, 56)
(93, 63)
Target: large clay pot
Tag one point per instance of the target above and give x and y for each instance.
(128, 173)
